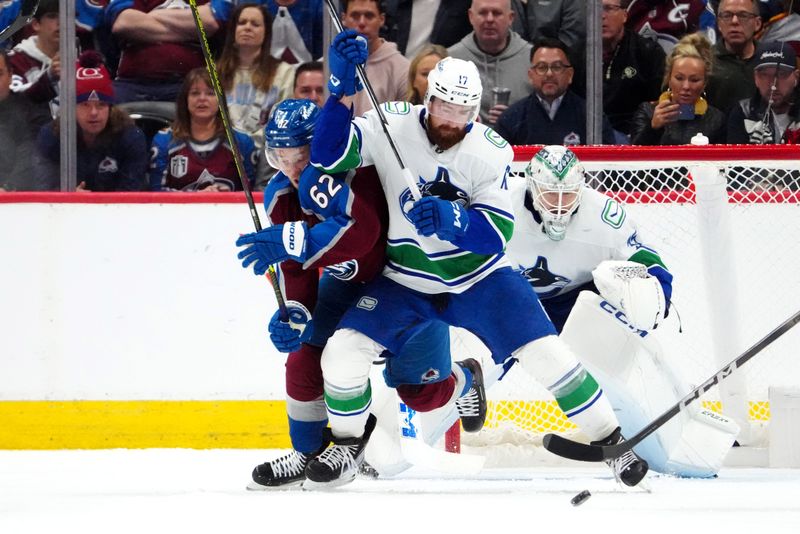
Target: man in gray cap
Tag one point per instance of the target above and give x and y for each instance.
(771, 115)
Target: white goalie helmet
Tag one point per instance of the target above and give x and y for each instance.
(555, 179)
(455, 81)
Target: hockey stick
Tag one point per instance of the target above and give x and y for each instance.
(27, 8)
(407, 176)
(595, 453)
(237, 156)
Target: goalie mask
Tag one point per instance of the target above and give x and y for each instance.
(555, 179)
(454, 90)
(288, 135)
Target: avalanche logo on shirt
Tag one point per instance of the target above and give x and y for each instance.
(109, 164)
(546, 284)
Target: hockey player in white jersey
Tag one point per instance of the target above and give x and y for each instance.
(606, 290)
(445, 262)
(601, 243)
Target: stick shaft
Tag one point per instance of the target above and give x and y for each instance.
(593, 453)
(407, 176)
(237, 156)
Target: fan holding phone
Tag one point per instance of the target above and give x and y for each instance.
(681, 110)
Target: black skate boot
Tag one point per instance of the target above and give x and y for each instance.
(628, 468)
(283, 472)
(338, 464)
(472, 406)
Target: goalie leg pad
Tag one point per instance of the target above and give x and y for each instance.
(346, 364)
(553, 364)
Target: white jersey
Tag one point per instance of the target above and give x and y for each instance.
(474, 171)
(599, 230)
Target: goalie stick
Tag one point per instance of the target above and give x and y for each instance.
(26, 10)
(237, 156)
(595, 453)
(407, 176)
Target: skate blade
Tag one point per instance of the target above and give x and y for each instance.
(311, 485)
(289, 486)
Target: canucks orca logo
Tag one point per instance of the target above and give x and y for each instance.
(440, 188)
(546, 284)
(347, 270)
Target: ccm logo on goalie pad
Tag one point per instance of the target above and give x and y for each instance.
(619, 316)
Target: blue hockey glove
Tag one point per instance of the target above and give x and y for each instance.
(287, 336)
(273, 245)
(347, 50)
(432, 215)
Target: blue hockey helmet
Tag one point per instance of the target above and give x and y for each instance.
(291, 124)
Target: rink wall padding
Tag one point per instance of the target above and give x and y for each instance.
(127, 321)
(87, 424)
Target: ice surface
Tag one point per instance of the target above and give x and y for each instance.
(190, 491)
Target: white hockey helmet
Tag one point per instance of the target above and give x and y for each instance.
(456, 81)
(555, 179)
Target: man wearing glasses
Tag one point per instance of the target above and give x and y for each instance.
(732, 77)
(552, 114)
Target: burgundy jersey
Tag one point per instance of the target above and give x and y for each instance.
(154, 61)
(665, 21)
(181, 165)
(350, 235)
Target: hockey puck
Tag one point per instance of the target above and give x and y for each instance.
(580, 498)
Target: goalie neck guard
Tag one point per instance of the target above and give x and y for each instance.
(555, 179)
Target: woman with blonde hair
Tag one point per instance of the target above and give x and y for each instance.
(421, 65)
(194, 154)
(681, 110)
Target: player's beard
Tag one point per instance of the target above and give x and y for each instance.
(445, 136)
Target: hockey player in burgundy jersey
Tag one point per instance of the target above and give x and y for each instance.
(338, 222)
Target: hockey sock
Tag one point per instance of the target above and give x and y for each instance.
(348, 409)
(581, 399)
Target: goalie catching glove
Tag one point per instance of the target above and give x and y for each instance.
(287, 336)
(630, 288)
(273, 245)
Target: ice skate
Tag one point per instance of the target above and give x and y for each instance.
(628, 469)
(472, 405)
(281, 473)
(339, 463)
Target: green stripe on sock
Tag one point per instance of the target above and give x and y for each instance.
(350, 404)
(577, 391)
(647, 258)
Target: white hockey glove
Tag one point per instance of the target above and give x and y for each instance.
(630, 288)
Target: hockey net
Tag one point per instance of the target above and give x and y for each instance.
(750, 255)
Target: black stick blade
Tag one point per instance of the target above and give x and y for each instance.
(573, 450)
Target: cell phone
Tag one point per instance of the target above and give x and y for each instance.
(686, 112)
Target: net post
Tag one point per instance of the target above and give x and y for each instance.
(452, 438)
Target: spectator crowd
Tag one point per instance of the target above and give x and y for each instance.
(670, 69)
